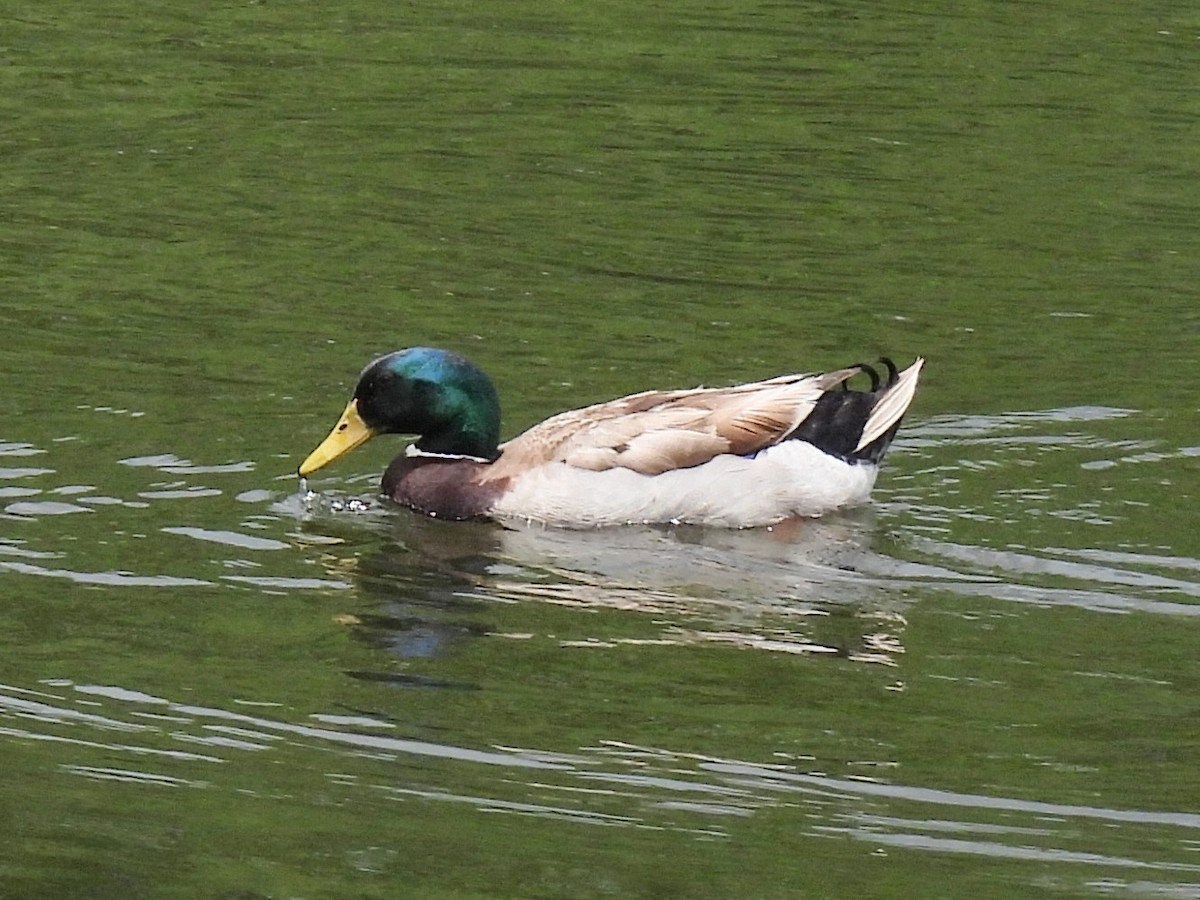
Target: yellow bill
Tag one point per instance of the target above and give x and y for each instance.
(348, 433)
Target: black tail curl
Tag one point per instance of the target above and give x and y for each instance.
(871, 372)
(836, 423)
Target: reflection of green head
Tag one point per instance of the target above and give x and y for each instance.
(440, 396)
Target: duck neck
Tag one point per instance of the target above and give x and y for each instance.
(458, 440)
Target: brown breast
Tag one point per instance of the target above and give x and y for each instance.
(443, 488)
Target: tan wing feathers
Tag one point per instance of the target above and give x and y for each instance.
(751, 426)
(657, 431)
(774, 410)
(652, 452)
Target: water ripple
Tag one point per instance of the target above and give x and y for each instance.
(229, 538)
(113, 579)
(614, 783)
(172, 464)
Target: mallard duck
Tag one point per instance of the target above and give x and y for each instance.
(742, 456)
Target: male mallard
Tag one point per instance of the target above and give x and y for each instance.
(752, 454)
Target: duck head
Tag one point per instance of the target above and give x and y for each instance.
(443, 398)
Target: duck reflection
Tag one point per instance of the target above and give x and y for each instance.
(813, 587)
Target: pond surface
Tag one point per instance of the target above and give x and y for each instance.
(984, 683)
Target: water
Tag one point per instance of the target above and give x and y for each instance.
(217, 684)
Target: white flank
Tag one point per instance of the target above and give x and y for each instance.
(789, 479)
(892, 405)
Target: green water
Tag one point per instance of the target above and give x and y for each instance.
(212, 217)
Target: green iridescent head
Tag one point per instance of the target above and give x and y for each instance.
(443, 398)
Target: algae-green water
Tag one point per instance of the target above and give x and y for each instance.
(983, 684)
